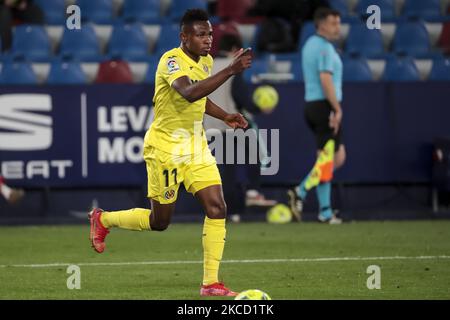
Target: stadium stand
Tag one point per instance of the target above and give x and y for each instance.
(151, 70)
(404, 43)
(356, 69)
(444, 39)
(429, 9)
(32, 42)
(54, 11)
(308, 30)
(139, 31)
(115, 71)
(401, 69)
(233, 9)
(81, 44)
(364, 41)
(145, 11)
(62, 72)
(178, 7)
(387, 8)
(342, 6)
(17, 73)
(128, 41)
(229, 27)
(98, 11)
(440, 70)
(169, 40)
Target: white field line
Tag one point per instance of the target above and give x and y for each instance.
(175, 262)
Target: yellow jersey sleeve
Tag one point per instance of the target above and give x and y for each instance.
(171, 68)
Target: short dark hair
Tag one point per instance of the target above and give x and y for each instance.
(322, 13)
(193, 15)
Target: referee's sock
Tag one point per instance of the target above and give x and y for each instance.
(323, 191)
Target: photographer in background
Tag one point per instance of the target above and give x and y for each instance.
(235, 95)
(23, 10)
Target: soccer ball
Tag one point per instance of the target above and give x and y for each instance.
(279, 214)
(265, 97)
(253, 294)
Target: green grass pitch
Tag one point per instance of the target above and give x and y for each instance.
(291, 261)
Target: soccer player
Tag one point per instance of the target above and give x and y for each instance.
(322, 71)
(175, 151)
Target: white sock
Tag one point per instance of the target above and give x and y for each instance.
(6, 191)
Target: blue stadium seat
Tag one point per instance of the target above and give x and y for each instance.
(62, 72)
(341, 6)
(81, 44)
(387, 8)
(170, 39)
(98, 11)
(411, 38)
(440, 70)
(54, 10)
(426, 9)
(297, 71)
(178, 7)
(17, 73)
(151, 70)
(364, 41)
(147, 11)
(32, 42)
(128, 41)
(356, 69)
(308, 29)
(400, 69)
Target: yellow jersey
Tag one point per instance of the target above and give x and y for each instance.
(177, 124)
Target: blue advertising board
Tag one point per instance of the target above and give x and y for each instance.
(92, 136)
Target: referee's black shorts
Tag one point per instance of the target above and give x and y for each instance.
(317, 116)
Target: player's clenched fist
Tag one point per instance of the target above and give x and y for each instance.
(242, 61)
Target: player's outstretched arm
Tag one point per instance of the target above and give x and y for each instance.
(234, 120)
(195, 91)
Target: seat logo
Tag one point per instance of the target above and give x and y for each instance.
(23, 126)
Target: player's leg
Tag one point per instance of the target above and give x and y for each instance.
(214, 231)
(323, 189)
(317, 117)
(11, 195)
(161, 215)
(339, 157)
(319, 177)
(202, 179)
(214, 234)
(163, 194)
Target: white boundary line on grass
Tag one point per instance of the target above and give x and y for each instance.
(175, 262)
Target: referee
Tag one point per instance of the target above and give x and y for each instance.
(322, 72)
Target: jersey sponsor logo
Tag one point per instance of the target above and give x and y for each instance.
(169, 194)
(23, 127)
(172, 65)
